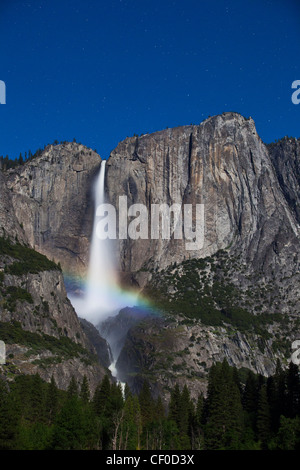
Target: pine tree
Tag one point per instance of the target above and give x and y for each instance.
(159, 410)
(235, 419)
(116, 398)
(127, 391)
(146, 404)
(131, 426)
(186, 413)
(197, 437)
(277, 393)
(72, 388)
(69, 428)
(174, 405)
(85, 390)
(199, 411)
(236, 379)
(36, 411)
(224, 411)
(97, 401)
(184, 410)
(249, 400)
(293, 391)
(101, 397)
(263, 423)
(288, 437)
(10, 410)
(51, 403)
(215, 409)
(21, 392)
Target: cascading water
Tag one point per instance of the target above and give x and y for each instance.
(102, 296)
(101, 277)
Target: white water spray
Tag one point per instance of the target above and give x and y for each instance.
(103, 296)
(101, 272)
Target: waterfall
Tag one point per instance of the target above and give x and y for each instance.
(99, 302)
(102, 295)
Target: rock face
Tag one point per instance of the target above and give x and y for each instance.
(285, 156)
(9, 225)
(223, 164)
(250, 194)
(37, 322)
(169, 351)
(46, 204)
(101, 346)
(212, 310)
(39, 325)
(49, 311)
(115, 329)
(51, 197)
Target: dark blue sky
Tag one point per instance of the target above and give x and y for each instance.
(103, 70)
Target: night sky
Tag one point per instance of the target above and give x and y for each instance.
(99, 71)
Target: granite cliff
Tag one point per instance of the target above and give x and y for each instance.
(9, 225)
(236, 297)
(37, 321)
(241, 290)
(285, 155)
(223, 164)
(51, 197)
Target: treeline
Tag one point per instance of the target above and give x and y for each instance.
(257, 414)
(7, 163)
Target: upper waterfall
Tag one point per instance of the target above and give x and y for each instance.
(101, 271)
(103, 295)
